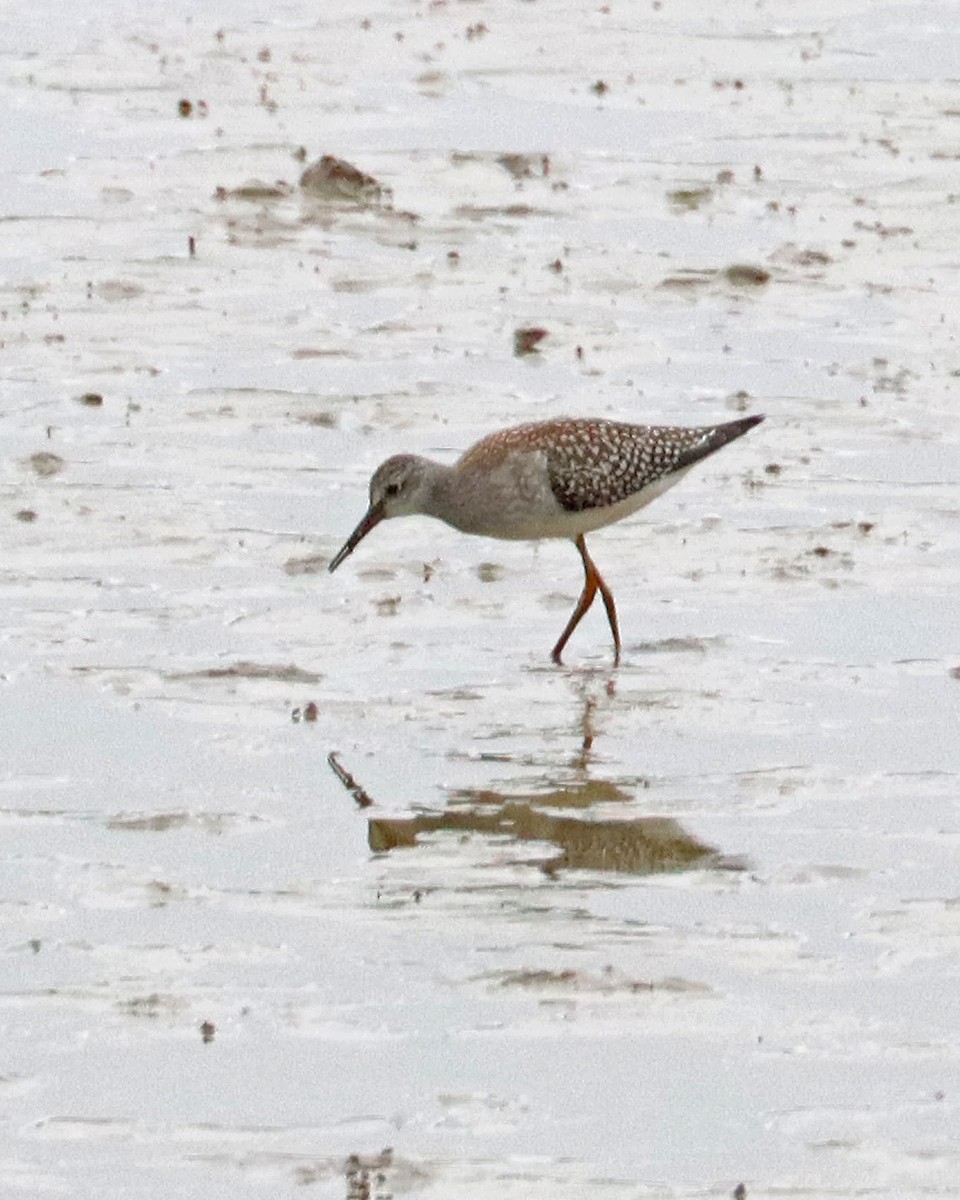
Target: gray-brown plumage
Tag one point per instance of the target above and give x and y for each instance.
(560, 478)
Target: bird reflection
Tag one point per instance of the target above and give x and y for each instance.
(559, 816)
(642, 846)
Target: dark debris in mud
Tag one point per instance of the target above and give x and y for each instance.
(281, 673)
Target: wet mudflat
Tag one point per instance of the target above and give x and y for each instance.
(532, 931)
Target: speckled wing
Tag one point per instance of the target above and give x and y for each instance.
(595, 464)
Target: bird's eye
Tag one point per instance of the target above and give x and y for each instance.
(393, 489)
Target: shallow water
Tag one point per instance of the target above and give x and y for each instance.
(224, 969)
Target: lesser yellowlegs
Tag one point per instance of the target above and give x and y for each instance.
(552, 479)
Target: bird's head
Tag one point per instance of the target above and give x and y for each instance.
(399, 487)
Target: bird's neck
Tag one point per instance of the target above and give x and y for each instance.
(442, 497)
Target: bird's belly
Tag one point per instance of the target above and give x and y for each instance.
(528, 510)
(596, 518)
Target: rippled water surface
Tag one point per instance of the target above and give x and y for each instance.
(335, 885)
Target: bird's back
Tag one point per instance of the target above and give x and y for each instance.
(595, 463)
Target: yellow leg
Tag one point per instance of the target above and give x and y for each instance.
(593, 582)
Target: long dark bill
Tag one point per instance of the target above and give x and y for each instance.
(373, 517)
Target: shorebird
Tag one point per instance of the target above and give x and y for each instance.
(551, 479)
